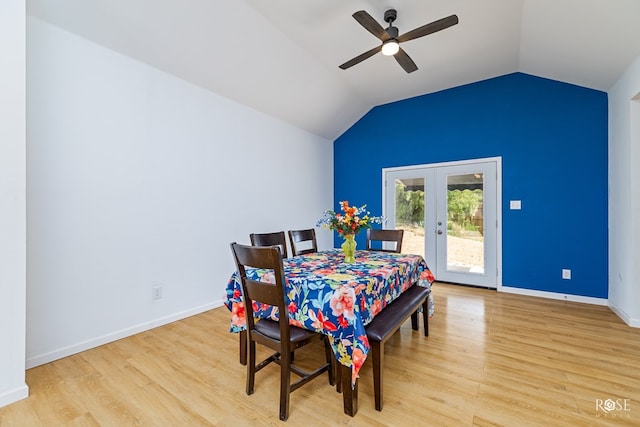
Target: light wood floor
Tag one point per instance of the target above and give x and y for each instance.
(491, 359)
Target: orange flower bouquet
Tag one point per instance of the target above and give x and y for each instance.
(348, 224)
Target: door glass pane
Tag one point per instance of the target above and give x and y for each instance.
(409, 210)
(465, 223)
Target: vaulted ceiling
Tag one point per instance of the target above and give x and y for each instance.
(281, 57)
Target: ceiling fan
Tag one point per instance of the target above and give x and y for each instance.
(390, 39)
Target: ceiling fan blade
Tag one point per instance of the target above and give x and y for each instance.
(358, 59)
(371, 25)
(405, 61)
(427, 29)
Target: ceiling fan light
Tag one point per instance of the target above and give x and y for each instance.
(390, 47)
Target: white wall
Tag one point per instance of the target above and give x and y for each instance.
(12, 202)
(135, 178)
(624, 195)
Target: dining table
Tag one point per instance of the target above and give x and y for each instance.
(337, 299)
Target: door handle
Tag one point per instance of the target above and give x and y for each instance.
(439, 231)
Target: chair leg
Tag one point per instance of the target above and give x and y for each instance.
(377, 351)
(285, 384)
(251, 366)
(243, 347)
(330, 359)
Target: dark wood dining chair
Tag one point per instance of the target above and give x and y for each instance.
(270, 239)
(303, 241)
(382, 236)
(276, 335)
(262, 239)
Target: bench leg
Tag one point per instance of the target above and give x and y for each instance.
(425, 316)
(377, 353)
(414, 320)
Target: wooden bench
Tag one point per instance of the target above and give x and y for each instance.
(388, 321)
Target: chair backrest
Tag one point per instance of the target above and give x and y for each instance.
(268, 258)
(303, 241)
(382, 236)
(270, 239)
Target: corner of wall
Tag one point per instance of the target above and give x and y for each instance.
(14, 395)
(13, 202)
(626, 318)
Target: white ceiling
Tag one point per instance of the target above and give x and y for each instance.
(281, 57)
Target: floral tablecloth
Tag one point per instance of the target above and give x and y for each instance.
(335, 298)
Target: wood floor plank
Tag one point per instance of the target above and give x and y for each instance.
(491, 360)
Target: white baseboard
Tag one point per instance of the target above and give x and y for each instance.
(554, 295)
(635, 323)
(114, 336)
(14, 395)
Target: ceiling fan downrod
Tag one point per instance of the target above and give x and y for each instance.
(390, 16)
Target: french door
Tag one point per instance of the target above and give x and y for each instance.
(450, 215)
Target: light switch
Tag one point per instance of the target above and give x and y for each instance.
(515, 204)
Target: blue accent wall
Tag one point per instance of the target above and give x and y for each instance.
(552, 137)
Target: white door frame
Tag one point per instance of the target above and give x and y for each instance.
(430, 223)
